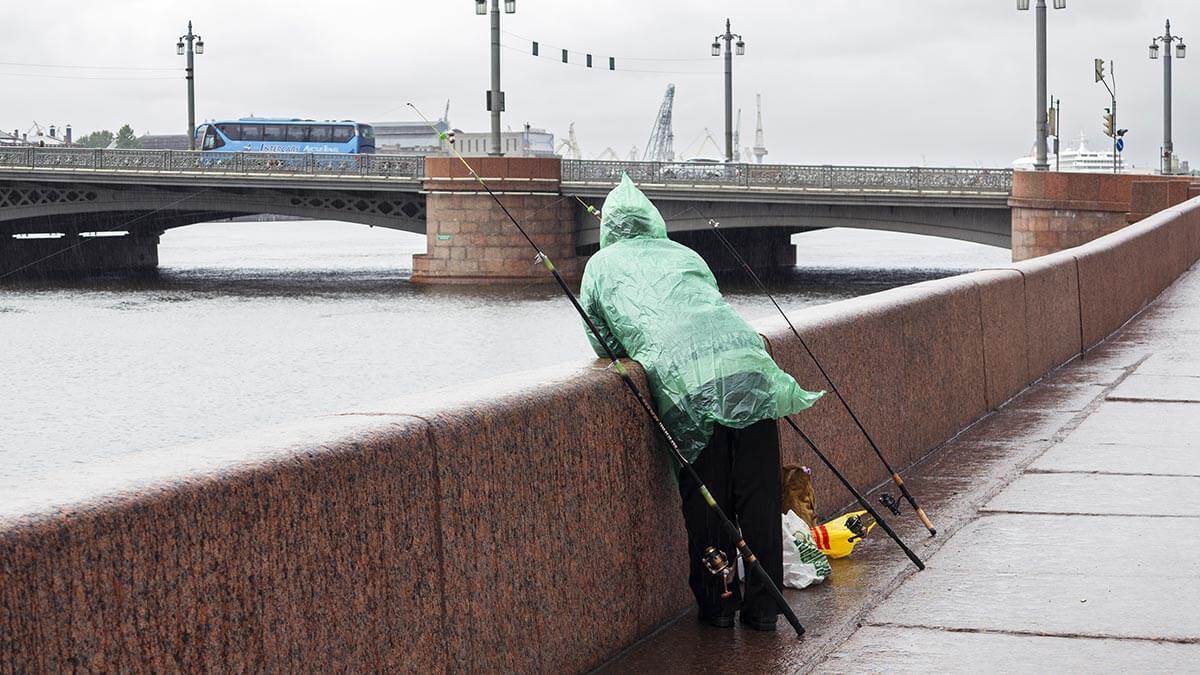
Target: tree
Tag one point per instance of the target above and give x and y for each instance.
(96, 139)
(126, 138)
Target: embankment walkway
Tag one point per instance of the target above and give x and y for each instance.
(1070, 528)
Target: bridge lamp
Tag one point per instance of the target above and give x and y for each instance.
(1167, 39)
(730, 47)
(1040, 162)
(189, 43)
(495, 97)
(179, 49)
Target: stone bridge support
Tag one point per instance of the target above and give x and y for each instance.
(1052, 211)
(74, 255)
(766, 250)
(471, 240)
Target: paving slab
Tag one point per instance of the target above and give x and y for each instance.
(1072, 397)
(1058, 575)
(1140, 424)
(1139, 387)
(1178, 363)
(1100, 494)
(881, 649)
(1127, 459)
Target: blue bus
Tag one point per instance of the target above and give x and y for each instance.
(276, 134)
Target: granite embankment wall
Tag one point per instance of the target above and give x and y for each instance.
(522, 525)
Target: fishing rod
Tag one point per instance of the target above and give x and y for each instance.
(751, 561)
(889, 502)
(829, 464)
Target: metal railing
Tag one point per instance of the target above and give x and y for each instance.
(412, 167)
(228, 163)
(793, 176)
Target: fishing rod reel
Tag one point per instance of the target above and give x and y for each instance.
(719, 564)
(889, 502)
(858, 526)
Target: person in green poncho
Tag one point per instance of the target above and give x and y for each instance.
(715, 387)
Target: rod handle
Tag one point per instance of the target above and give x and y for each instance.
(920, 512)
(755, 567)
(928, 523)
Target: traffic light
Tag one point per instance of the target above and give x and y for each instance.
(1052, 119)
(1099, 69)
(1108, 122)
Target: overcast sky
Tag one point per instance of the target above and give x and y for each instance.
(934, 82)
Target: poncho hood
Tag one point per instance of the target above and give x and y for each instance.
(628, 214)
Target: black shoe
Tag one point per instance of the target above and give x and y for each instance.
(758, 623)
(716, 620)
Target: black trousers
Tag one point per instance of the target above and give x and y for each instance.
(741, 469)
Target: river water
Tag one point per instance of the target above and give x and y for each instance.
(250, 324)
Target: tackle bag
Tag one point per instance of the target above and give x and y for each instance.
(803, 562)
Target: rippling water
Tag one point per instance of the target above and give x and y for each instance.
(250, 324)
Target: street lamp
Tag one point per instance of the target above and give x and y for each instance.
(729, 50)
(195, 44)
(495, 97)
(1040, 162)
(1168, 149)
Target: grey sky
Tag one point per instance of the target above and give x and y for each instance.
(940, 82)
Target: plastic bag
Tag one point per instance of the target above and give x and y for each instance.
(803, 562)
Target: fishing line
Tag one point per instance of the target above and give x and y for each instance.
(751, 561)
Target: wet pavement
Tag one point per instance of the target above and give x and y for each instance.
(1069, 537)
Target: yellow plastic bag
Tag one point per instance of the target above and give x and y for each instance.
(838, 537)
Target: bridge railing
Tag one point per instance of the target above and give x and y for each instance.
(239, 163)
(793, 176)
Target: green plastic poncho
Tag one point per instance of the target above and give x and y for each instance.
(657, 302)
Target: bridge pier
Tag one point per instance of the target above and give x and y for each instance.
(76, 255)
(472, 241)
(1052, 211)
(766, 250)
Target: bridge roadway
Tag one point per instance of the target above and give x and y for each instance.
(88, 190)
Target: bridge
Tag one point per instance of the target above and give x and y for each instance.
(76, 192)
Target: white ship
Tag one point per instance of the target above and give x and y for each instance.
(1081, 159)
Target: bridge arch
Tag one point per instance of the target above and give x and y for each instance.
(40, 207)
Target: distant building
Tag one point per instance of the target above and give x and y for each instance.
(409, 138)
(10, 139)
(417, 138)
(163, 142)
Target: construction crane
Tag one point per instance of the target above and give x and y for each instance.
(760, 143)
(572, 145)
(661, 146)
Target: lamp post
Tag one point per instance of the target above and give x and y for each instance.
(1040, 162)
(716, 51)
(1168, 149)
(495, 97)
(190, 38)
